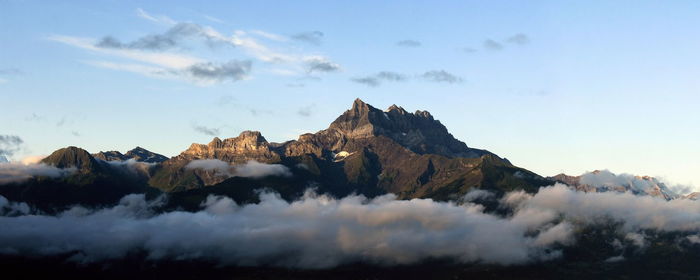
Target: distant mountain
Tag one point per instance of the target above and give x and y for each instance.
(74, 157)
(693, 196)
(91, 182)
(603, 181)
(138, 154)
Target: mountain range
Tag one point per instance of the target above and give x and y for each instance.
(364, 151)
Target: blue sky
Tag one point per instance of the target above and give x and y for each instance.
(553, 86)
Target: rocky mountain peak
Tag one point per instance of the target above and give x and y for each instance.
(138, 154)
(424, 114)
(358, 105)
(398, 109)
(110, 156)
(418, 131)
(141, 154)
(249, 145)
(72, 157)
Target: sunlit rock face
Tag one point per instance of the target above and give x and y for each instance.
(418, 132)
(249, 145)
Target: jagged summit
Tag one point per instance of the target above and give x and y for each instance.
(418, 131)
(394, 107)
(249, 145)
(110, 156)
(141, 154)
(138, 154)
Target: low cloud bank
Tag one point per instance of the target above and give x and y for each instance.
(132, 165)
(16, 172)
(250, 169)
(321, 232)
(314, 232)
(635, 212)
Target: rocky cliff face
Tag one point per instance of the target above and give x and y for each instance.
(418, 132)
(138, 154)
(249, 145)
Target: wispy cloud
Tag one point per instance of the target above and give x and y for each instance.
(34, 117)
(306, 111)
(214, 19)
(161, 54)
(250, 169)
(154, 18)
(369, 81)
(376, 79)
(518, 39)
(210, 72)
(492, 45)
(409, 43)
(320, 64)
(17, 172)
(10, 144)
(167, 60)
(270, 36)
(211, 131)
(11, 71)
(441, 76)
(311, 37)
(170, 38)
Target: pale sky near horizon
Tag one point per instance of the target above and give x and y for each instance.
(554, 86)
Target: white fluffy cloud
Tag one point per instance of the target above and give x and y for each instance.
(320, 232)
(160, 55)
(17, 172)
(314, 232)
(633, 211)
(250, 169)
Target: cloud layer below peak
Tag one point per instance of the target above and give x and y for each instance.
(320, 232)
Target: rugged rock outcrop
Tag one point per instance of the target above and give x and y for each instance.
(249, 145)
(143, 155)
(138, 154)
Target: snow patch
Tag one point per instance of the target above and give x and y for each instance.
(341, 155)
